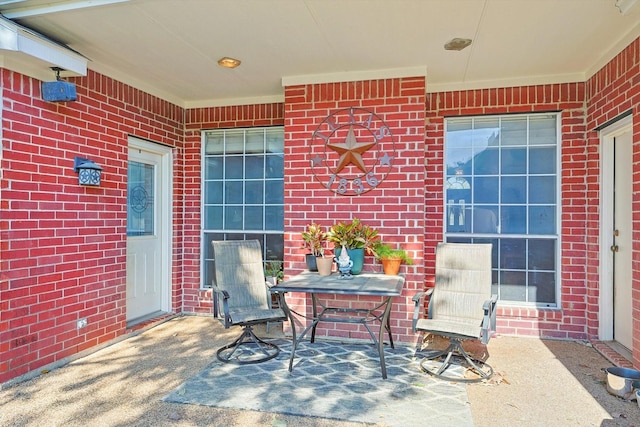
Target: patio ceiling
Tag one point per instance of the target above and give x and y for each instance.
(171, 48)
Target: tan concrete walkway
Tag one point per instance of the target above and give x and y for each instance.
(539, 383)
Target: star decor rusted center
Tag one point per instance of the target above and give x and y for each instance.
(352, 151)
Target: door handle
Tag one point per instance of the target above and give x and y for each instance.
(614, 248)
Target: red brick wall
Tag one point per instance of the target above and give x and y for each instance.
(63, 245)
(195, 299)
(612, 91)
(570, 320)
(395, 207)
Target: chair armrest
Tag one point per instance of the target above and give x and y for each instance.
(219, 291)
(489, 319)
(417, 309)
(225, 305)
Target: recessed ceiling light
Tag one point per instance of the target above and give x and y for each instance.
(457, 44)
(228, 62)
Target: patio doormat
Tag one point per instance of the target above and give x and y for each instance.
(333, 380)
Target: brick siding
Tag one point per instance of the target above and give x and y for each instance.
(63, 245)
(395, 207)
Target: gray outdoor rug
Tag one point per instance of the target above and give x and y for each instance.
(333, 380)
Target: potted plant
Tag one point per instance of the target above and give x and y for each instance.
(324, 263)
(273, 272)
(314, 237)
(357, 238)
(391, 258)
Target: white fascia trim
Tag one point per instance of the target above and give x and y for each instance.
(502, 83)
(352, 76)
(26, 66)
(15, 38)
(228, 102)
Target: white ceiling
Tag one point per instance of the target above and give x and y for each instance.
(170, 48)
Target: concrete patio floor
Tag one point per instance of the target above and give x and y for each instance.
(537, 383)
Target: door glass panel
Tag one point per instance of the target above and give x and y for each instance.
(140, 200)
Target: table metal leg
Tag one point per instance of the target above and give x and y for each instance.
(295, 343)
(314, 313)
(294, 340)
(384, 324)
(388, 326)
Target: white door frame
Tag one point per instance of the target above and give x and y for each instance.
(607, 136)
(165, 181)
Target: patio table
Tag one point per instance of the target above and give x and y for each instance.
(370, 284)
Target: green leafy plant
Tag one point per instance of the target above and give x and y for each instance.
(314, 237)
(274, 269)
(385, 251)
(353, 235)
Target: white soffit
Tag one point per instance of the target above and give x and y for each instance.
(17, 39)
(616, 48)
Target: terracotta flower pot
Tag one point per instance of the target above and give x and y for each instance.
(391, 266)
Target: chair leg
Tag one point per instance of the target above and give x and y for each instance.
(455, 351)
(249, 348)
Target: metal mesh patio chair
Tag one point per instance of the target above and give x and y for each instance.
(241, 286)
(460, 308)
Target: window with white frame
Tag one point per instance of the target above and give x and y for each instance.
(243, 191)
(502, 187)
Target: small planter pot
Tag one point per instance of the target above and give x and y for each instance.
(311, 262)
(324, 265)
(391, 266)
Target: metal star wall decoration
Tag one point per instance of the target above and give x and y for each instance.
(386, 159)
(351, 151)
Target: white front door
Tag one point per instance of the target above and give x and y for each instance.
(617, 233)
(622, 247)
(148, 230)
